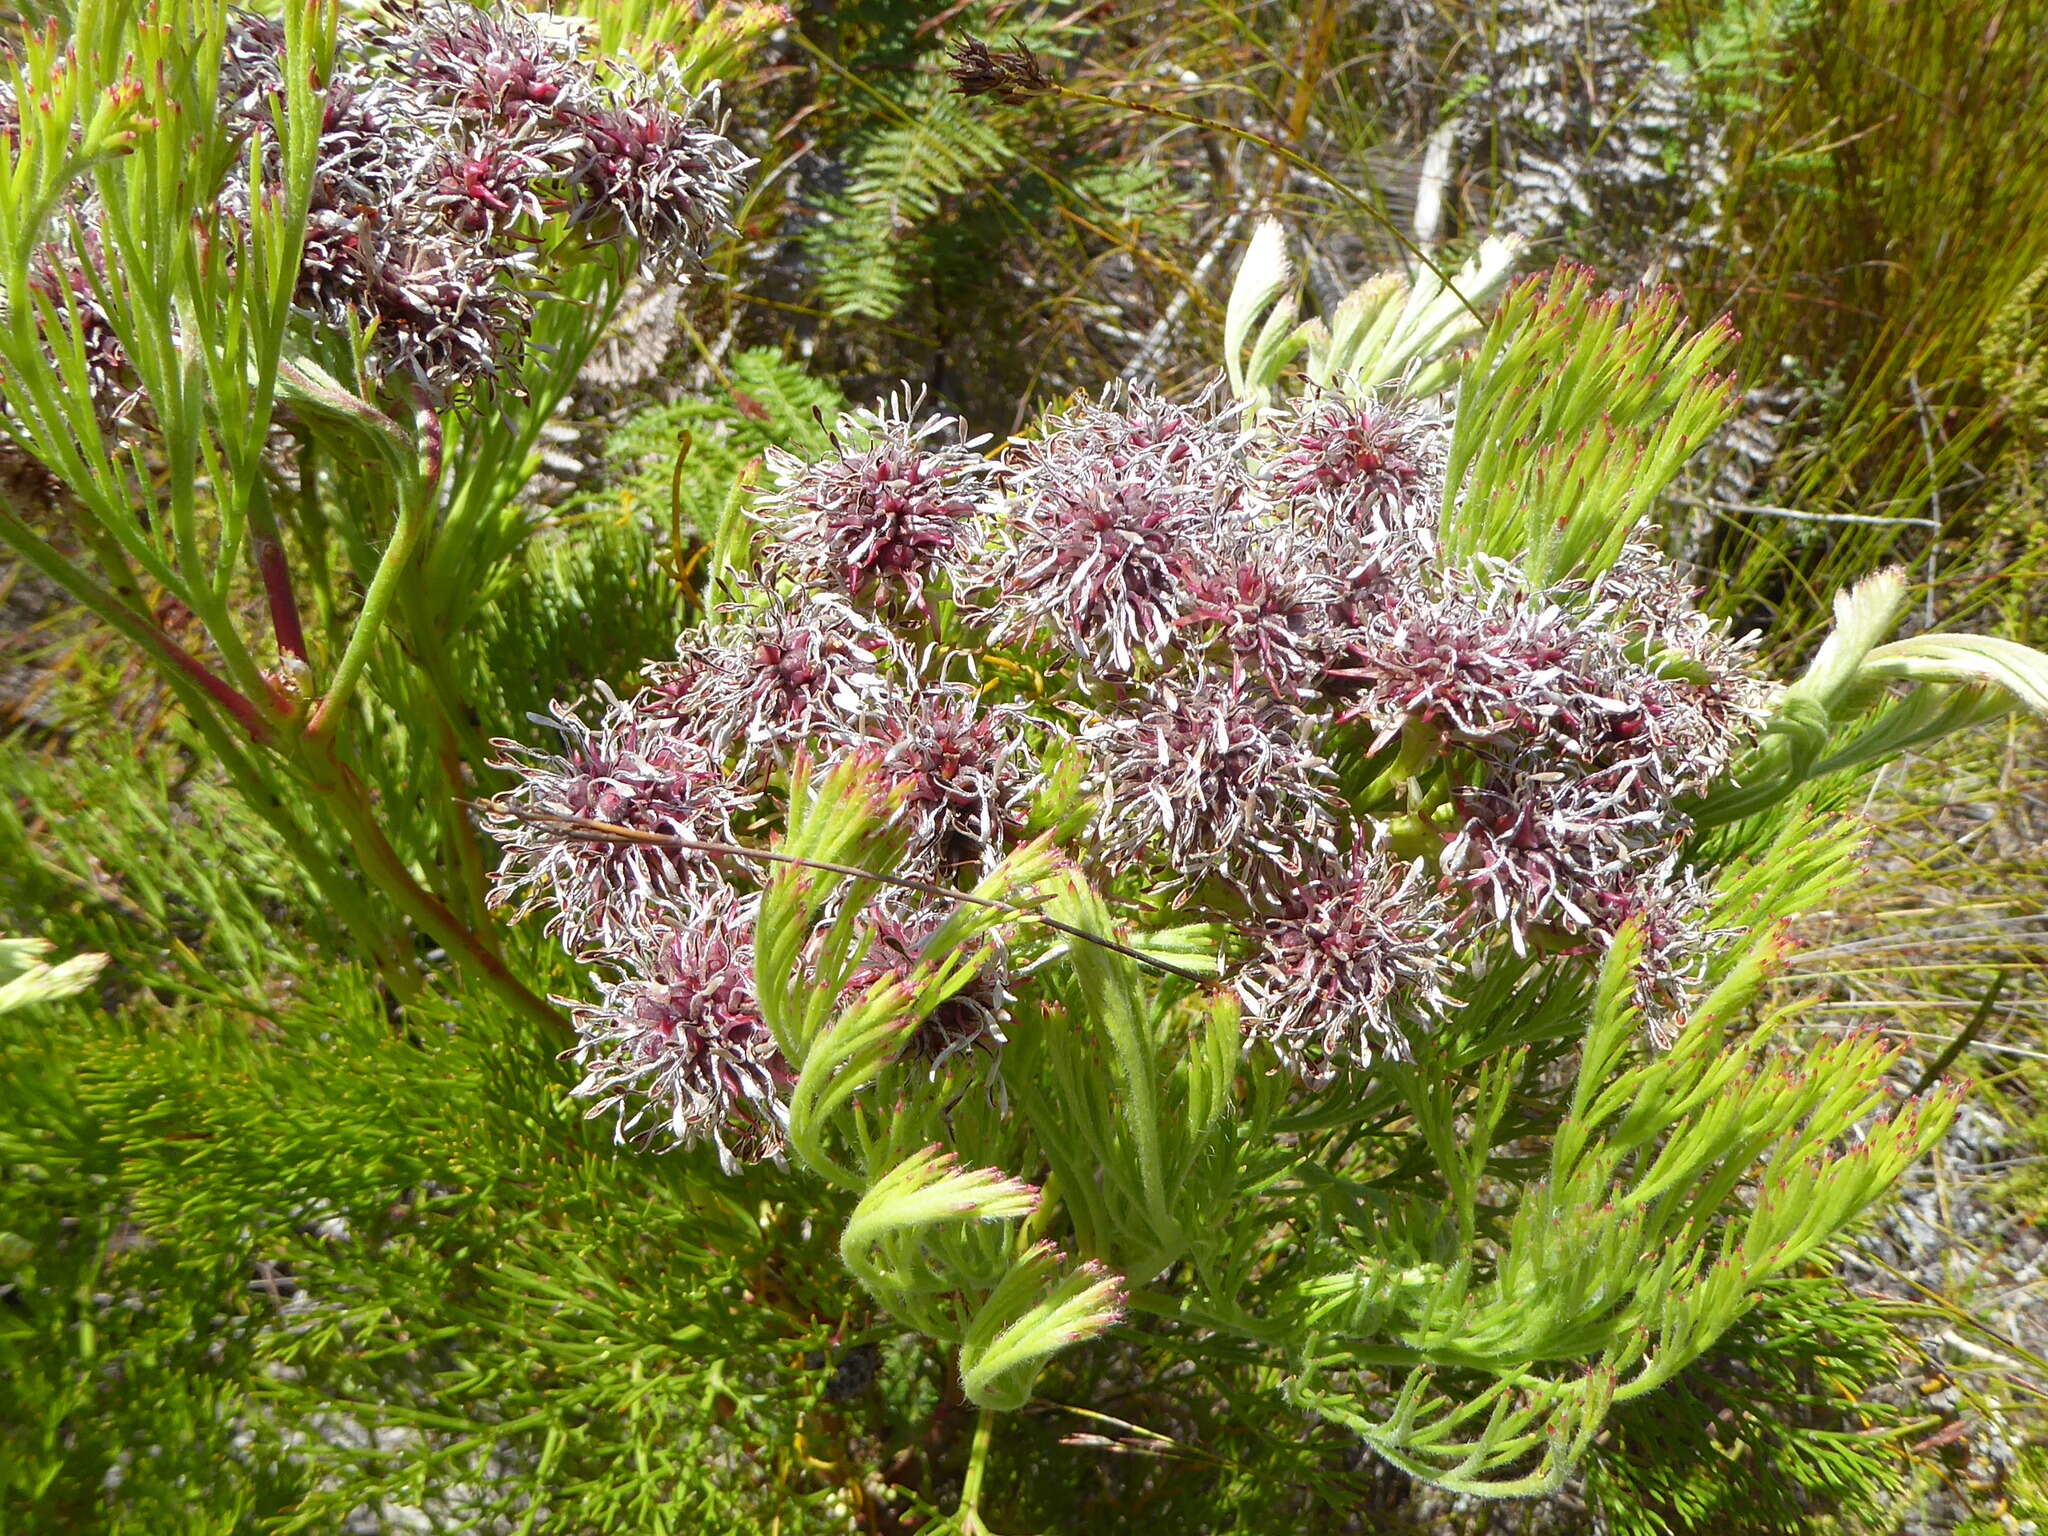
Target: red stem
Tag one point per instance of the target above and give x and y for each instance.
(267, 544)
(284, 606)
(244, 712)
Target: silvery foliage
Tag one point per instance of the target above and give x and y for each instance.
(1588, 137)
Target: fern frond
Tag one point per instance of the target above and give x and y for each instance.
(899, 174)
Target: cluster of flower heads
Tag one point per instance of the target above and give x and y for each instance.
(463, 154)
(1237, 647)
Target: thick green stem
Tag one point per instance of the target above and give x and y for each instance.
(969, 1515)
(414, 512)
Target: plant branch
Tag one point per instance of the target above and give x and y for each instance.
(405, 537)
(267, 545)
(382, 863)
(586, 830)
(144, 631)
(969, 1514)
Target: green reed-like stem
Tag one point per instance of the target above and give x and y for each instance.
(414, 513)
(1299, 162)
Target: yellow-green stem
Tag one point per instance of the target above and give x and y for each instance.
(414, 509)
(969, 1514)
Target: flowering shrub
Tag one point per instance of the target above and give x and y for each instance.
(293, 294)
(449, 140)
(1257, 871)
(1292, 875)
(1228, 664)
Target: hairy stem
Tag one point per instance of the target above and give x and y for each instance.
(977, 1471)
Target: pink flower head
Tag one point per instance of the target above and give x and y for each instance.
(1708, 692)
(370, 132)
(1105, 514)
(1370, 465)
(1208, 779)
(494, 61)
(964, 771)
(1536, 844)
(442, 316)
(663, 177)
(628, 773)
(676, 1046)
(1361, 948)
(799, 669)
(892, 508)
(1264, 603)
(1671, 904)
(487, 187)
(1130, 427)
(1442, 662)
